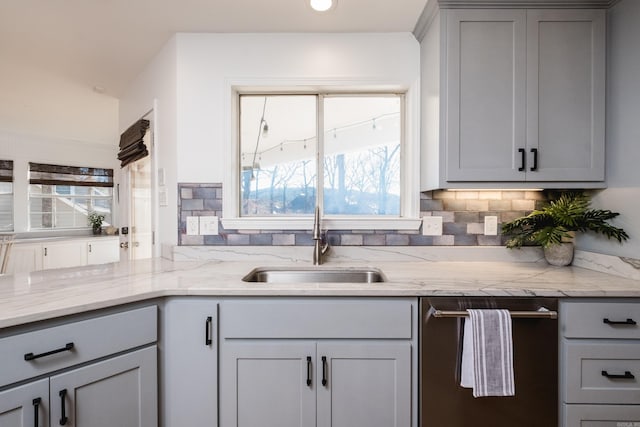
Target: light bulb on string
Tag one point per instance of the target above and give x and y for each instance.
(265, 129)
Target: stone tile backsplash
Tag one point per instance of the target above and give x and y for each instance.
(462, 215)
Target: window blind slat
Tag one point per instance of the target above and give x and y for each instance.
(6, 170)
(132, 145)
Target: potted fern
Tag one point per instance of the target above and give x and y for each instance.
(554, 226)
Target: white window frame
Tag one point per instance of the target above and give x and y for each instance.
(410, 159)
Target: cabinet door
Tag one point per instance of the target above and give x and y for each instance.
(264, 384)
(103, 251)
(25, 258)
(121, 391)
(64, 254)
(566, 94)
(189, 364)
(25, 406)
(367, 384)
(485, 96)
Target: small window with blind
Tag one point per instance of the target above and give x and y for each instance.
(61, 197)
(6, 195)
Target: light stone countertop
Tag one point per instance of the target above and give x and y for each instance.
(48, 294)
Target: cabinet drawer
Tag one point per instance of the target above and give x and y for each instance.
(600, 320)
(50, 349)
(601, 416)
(602, 372)
(316, 319)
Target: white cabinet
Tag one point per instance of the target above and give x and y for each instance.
(189, 363)
(62, 253)
(599, 362)
(102, 251)
(91, 373)
(71, 253)
(518, 99)
(303, 362)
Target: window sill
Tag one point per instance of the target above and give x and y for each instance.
(328, 223)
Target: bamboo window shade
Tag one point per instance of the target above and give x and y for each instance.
(44, 174)
(132, 146)
(6, 170)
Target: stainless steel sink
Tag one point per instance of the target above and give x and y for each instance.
(314, 275)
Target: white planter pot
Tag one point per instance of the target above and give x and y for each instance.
(559, 254)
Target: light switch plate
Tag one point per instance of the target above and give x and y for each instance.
(193, 226)
(490, 225)
(432, 226)
(209, 225)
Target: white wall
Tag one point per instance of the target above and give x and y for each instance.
(34, 102)
(155, 89)
(623, 131)
(47, 119)
(208, 64)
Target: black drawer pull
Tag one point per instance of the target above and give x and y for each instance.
(522, 157)
(535, 159)
(309, 371)
(619, 322)
(324, 371)
(63, 410)
(626, 376)
(31, 356)
(208, 340)
(36, 411)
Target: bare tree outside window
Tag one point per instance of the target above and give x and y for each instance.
(361, 145)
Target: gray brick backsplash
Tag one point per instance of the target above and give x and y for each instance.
(462, 214)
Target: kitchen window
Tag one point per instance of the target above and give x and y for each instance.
(61, 197)
(6, 195)
(350, 146)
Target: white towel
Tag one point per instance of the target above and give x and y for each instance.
(487, 353)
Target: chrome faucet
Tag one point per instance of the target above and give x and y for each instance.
(320, 243)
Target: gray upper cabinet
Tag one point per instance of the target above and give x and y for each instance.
(520, 99)
(486, 60)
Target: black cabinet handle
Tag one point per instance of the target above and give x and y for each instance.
(619, 322)
(324, 371)
(63, 412)
(535, 159)
(522, 159)
(31, 356)
(309, 371)
(36, 411)
(45, 251)
(626, 376)
(208, 340)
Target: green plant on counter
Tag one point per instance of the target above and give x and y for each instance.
(558, 221)
(95, 220)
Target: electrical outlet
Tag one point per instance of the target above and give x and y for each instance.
(490, 225)
(209, 225)
(432, 226)
(193, 226)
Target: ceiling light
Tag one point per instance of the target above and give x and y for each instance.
(322, 5)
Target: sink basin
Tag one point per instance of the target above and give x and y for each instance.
(314, 275)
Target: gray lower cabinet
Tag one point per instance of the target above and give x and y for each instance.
(121, 391)
(189, 362)
(328, 384)
(600, 362)
(322, 362)
(96, 372)
(26, 405)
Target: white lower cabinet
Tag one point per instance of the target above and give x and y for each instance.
(273, 374)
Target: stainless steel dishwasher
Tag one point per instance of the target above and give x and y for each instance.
(444, 403)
